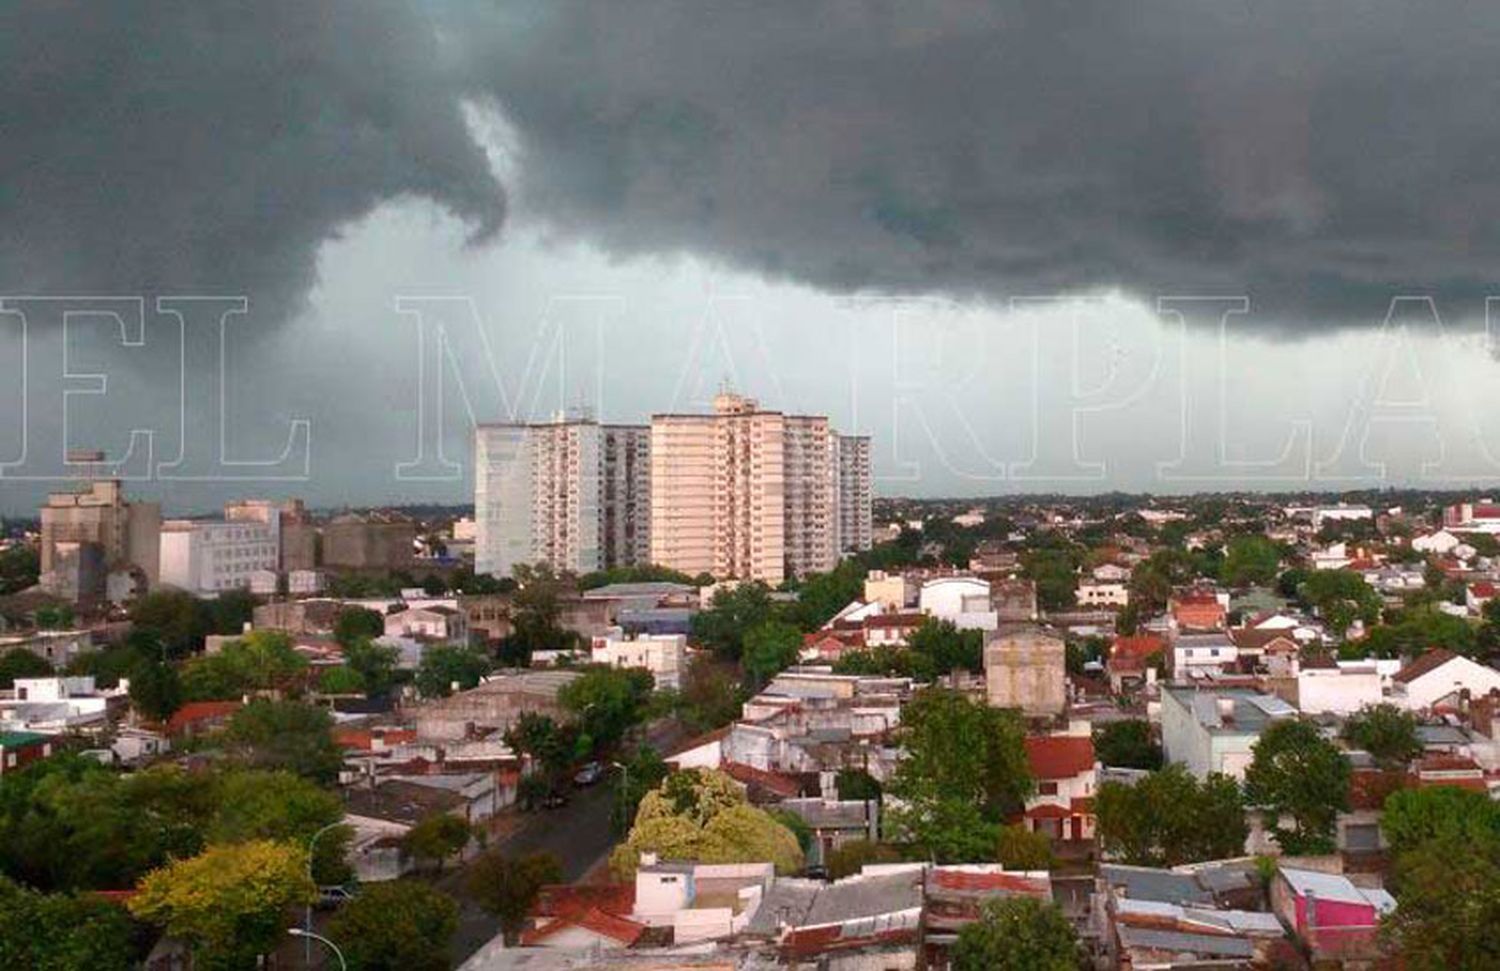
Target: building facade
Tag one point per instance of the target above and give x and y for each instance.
(209, 557)
(98, 525)
(755, 494)
(856, 494)
(570, 493)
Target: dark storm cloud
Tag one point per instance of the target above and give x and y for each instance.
(212, 146)
(1320, 157)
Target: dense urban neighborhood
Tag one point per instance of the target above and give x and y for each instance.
(1228, 731)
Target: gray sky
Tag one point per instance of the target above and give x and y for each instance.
(962, 230)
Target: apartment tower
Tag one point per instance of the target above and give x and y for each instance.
(570, 493)
(748, 493)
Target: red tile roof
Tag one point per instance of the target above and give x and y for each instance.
(1059, 756)
(196, 713)
(782, 785)
(617, 928)
(1137, 646)
(946, 879)
(1483, 589)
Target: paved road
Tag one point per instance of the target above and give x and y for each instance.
(578, 834)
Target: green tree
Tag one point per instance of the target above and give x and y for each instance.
(795, 824)
(536, 615)
(1127, 744)
(1295, 772)
(178, 619)
(254, 804)
(644, 772)
(508, 886)
(155, 690)
(21, 663)
(948, 648)
(1250, 560)
(701, 814)
(1055, 574)
(1341, 597)
(1020, 849)
(710, 696)
(1412, 817)
(1169, 818)
(1017, 934)
(857, 784)
(1447, 906)
(340, 680)
(356, 624)
(552, 747)
(374, 663)
(61, 932)
(286, 735)
(822, 595)
(607, 703)
(722, 627)
(399, 925)
(437, 838)
(1415, 631)
(768, 649)
(69, 823)
(1388, 733)
(446, 665)
(20, 569)
(851, 857)
(963, 770)
(261, 660)
(229, 902)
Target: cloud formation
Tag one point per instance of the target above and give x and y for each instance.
(1320, 158)
(213, 146)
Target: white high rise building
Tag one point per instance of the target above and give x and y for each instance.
(567, 493)
(752, 494)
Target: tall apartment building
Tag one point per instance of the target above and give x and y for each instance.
(98, 524)
(570, 493)
(625, 495)
(748, 493)
(856, 494)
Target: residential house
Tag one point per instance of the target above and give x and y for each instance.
(20, 749)
(1215, 730)
(1332, 916)
(437, 622)
(964, 601)
(1102, 593)
(664, 655)
(1131, 659)
(1198, 611)
(953, 895)
(1066, 776)
(1441, 677)
(1197, 655)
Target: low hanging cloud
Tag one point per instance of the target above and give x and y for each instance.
(213, 146)
(1320, 158)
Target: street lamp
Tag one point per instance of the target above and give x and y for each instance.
(307, 933)
(309, 937)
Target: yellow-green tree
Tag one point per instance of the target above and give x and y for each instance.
(702, 815)
(229, 902)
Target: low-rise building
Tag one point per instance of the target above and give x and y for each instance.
(665, 655)
(1103, 593)
(20, 749)
(1441, 677)
(1066, 776)
(1334, 918)
(210, 557)
(963, 601)
(1215, 730)
(436, 622)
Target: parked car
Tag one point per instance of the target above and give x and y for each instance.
(334, 896)
(589, 774)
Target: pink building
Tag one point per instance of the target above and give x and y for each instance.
(1331, 915)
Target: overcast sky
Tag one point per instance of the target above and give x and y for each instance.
(1165, 247)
